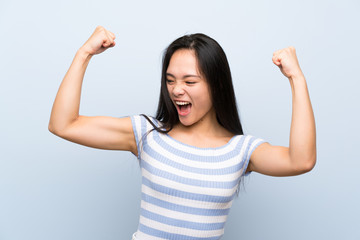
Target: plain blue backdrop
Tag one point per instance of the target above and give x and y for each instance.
(54, 189)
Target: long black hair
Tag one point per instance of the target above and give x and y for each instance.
(213, 65)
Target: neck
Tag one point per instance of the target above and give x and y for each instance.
(206, 127)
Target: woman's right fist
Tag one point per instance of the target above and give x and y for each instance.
(99, 41)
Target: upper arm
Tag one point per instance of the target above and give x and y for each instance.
(101, 132)
(275, 161)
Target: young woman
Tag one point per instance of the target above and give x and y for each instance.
(193, 154)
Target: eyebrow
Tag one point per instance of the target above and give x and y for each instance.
(185, 76)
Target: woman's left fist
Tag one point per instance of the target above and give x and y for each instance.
(287, 61)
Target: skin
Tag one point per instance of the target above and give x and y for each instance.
(185, 83)
(200, 127)
(300, 156)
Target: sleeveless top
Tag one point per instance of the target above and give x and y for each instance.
(187, 191)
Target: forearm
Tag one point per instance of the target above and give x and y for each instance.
(67, 102)
(302, 146)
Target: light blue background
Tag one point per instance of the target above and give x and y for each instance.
(54, 189)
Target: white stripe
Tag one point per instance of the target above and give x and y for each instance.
(200, 151)
(183, 201)
(191, 175)
(182, 216)
(189, 188)
(179, 230)
(137, 121)
(254, 143)
(143, 236)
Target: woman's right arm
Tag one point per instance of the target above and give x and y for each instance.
(99, 131)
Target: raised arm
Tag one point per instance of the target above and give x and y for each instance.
(98, 131)
(300, 156)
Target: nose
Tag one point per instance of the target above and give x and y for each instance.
(178, 90)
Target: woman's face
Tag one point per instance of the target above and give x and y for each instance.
(188, 89)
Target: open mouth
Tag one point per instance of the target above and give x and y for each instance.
(183, 107)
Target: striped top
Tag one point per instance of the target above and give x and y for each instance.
(187, 191)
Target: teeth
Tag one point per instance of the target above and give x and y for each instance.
(182, 103)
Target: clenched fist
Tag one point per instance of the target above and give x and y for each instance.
(99, 41)
(287, 61)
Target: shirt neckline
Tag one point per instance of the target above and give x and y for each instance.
(200, 148)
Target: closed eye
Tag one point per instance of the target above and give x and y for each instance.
(168, 81)
(190, 83)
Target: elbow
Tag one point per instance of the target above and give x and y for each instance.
(52, 126)
(308, 164)
(52, 129)
(59, 128)
(55, 130)
(303, 161)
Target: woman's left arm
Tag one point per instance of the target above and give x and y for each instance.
(300, 156)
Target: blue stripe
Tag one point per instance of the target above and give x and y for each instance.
(187, 195)
(184, 209)
(182, 223)
(196, 157)
(165, 160)
(188, 181)
(162, 234)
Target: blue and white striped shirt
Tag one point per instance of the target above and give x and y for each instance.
(187, 191)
